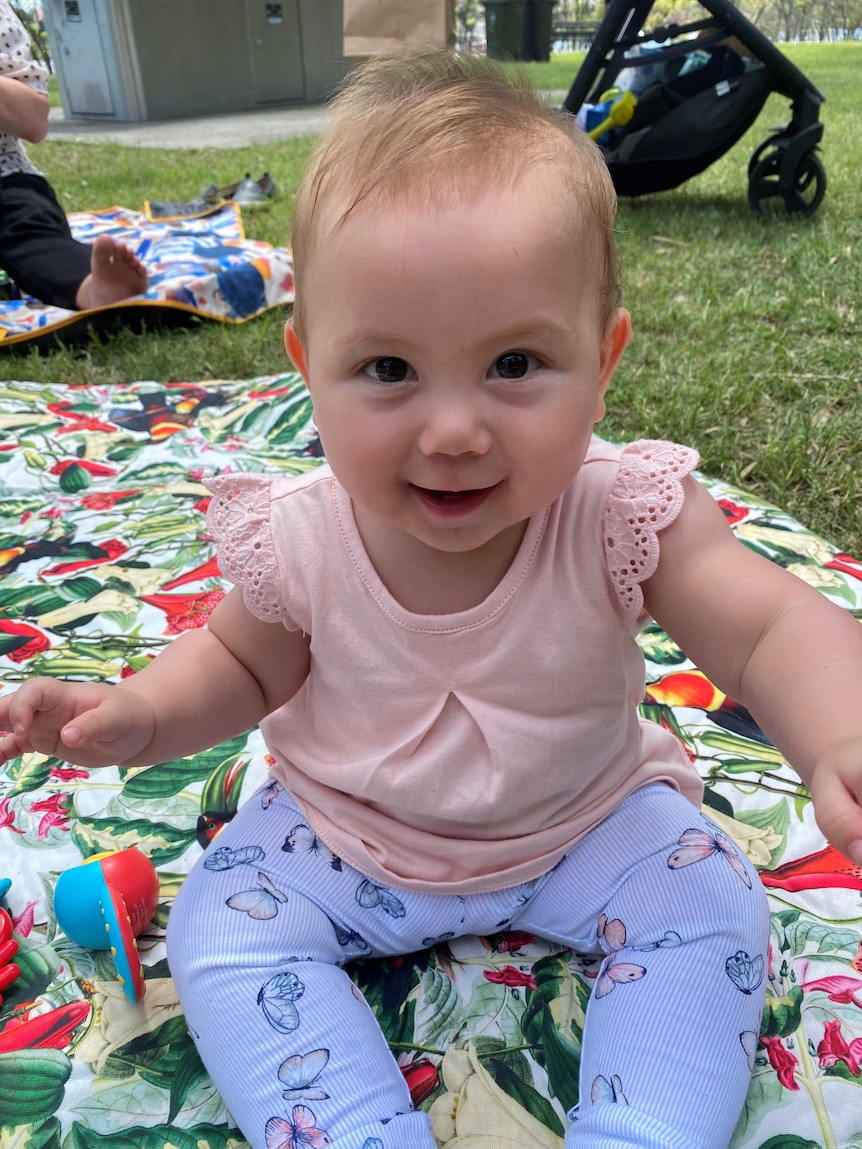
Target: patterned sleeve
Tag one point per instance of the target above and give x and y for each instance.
(15, 59)
(239, 519)
(646, 497)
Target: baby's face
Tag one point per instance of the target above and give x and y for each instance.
(457, 360)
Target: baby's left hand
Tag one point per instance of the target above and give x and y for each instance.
(836, 790)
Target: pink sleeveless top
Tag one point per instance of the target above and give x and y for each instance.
(465, 752)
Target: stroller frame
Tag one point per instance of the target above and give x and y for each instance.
(784, 167)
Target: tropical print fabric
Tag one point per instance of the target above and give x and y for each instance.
(104, 557)
(203, 266)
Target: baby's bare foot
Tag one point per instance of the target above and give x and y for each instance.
(115, 274)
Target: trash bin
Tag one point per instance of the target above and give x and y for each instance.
(504, 28)
(538, 27)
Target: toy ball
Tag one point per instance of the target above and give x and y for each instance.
(104, 904)
(9, 970)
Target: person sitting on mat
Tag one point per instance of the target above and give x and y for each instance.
(438, 631)
(37, 250)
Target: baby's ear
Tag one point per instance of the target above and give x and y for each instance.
(295, 349)
(615, 339)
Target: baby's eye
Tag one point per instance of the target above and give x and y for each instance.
(389, 369)
(514, 365)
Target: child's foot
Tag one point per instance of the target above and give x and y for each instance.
(115, 274)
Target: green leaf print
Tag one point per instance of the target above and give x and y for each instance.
(658, 647)
(171, 777)
(138, 1137)
(782, 1014)
(29, 772)
(526, 1094)
(161, 842)
(438, 1008)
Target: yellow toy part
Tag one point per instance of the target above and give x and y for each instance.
(620, 113)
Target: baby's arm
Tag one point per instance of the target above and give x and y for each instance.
(775, 644)
(206, 686)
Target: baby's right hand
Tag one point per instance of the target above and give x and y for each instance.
(87, 724)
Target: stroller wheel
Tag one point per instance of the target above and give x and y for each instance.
(802, 194)
(759, 153)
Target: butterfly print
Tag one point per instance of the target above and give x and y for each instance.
(300, 1074)
(604, 1090)
(370, 896)
(226, 859)
(695, 845)
(276, 998)
(260, 903)
(745, 972)
(269, 792)
(748, 1040)
(429, 943)
(612, 971)
(670, 939)
(348, 937)
(302, 839)
(297, 1132)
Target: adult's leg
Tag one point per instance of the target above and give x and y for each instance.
(36, 246)
(680, 920)
(38, 251)
(256, 939)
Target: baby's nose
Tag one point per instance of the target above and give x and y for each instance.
(454, 427)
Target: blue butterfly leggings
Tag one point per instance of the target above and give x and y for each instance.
(670, 909)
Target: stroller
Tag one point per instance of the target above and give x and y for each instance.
(674, 99)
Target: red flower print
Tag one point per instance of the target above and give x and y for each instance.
(7, 817)
(833, 1048)
(106, 552)
(97, 470)
(76, 421)
(733, 512)
(782, 1061)
(54, 811)
(511, 976)
(185, 611)
(839, 987)
(68, 773)
(50, 1030)
(422, 1079)
(209, 569)
(846, 564)
(24, 922)
(19, 641)
(105, 500)
(513, 940)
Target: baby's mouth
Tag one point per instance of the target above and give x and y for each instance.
(454, 502)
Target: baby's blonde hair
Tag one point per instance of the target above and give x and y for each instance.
(435, 127)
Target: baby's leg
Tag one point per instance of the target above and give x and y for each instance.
(680, 920)
(291, 1044)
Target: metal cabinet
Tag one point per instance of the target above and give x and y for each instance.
(163, 59)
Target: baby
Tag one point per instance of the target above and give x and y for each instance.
(437, 633)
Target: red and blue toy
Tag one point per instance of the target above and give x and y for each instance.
(9, 969)
(104, 904)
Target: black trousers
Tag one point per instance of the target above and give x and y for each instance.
(37, 250)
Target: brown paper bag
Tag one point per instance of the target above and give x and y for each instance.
(374, 26)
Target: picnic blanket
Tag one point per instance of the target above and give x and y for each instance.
(105, 556)
(200, 266)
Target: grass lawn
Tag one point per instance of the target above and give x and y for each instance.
(747, 329)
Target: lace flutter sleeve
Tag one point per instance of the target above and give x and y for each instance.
(239, 520)
(646, 497)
